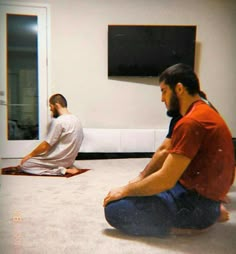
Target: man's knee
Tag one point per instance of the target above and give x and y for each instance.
(111, 213)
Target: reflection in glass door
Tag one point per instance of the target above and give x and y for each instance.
(22, 81)
(23, 78)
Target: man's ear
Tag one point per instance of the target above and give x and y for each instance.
(57, 105)
(179, 88)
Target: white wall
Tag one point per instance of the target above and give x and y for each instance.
(78, 58)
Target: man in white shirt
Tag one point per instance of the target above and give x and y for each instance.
(56, 154)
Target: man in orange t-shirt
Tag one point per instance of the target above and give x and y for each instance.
(186, 191)
(208, 143)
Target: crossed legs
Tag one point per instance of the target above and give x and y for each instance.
(175, 212)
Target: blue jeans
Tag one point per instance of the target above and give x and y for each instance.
(156, 215)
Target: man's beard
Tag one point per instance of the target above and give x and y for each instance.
(174, 106)
(55, 113)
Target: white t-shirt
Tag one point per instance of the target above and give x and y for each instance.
(65, 135)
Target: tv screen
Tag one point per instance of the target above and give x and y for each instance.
(143, 50)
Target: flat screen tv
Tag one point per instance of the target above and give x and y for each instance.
(146, 50)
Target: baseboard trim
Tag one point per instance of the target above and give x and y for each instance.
(102, 156)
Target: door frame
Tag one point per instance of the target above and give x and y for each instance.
(19, 148)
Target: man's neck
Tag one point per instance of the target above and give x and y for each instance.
(63, 111)
(187, 102)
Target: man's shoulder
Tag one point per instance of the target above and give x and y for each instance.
(69, 121)
(67, 117)
(188, 122)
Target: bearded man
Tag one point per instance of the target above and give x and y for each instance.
(184, 191)
(57, 153)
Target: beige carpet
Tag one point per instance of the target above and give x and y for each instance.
(65, 215)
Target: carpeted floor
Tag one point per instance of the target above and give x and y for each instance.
(44, 215)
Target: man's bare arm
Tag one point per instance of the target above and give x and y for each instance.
(40, 149)
(156, 162)
(160, 181)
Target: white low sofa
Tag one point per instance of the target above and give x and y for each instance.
(122, 140)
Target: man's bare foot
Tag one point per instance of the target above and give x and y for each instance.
(224, 214)
(73, 171)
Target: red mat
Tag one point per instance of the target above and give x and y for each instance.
(14, 170)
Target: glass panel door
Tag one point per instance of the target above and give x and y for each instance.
(22, 82)
(23, 79)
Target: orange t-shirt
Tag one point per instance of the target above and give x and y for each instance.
(203, 136)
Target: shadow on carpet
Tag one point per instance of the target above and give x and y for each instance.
(15, 171)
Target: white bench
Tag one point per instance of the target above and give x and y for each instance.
(121, 140)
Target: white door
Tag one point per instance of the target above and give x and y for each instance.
(23, 79)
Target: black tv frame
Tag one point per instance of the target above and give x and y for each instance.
(146, 50)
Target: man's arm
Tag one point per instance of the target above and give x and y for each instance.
(160, 181)
(44, 147)
(156, 162)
